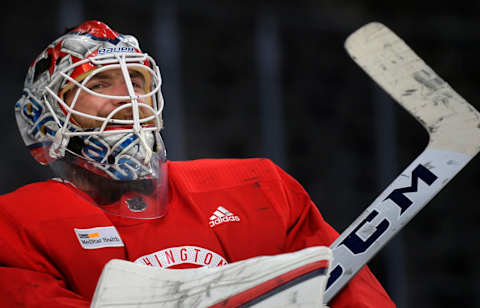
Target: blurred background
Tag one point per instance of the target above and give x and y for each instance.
(271, 79)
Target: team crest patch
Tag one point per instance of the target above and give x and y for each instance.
(99, 237)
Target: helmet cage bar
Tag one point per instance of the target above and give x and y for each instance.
(103, 63)
(108, 119)
(104, 68)
(81, 86)
(101, 60)
(131, 92)
(138, 121)
(109, 132)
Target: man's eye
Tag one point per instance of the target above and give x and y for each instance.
(137, 84)
(96, 86)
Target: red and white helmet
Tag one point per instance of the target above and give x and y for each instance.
(121, 155)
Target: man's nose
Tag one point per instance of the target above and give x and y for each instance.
(120, 89)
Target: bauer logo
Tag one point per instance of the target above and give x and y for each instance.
(99, 237)
(103, 51)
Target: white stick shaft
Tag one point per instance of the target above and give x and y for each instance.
(454, 129)
(390, 212)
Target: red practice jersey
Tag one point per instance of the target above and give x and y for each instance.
(219, 211)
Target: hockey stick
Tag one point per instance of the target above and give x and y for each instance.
(454, 129)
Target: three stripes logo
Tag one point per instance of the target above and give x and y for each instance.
(222, 215)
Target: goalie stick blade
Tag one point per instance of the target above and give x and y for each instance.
(451, 121)
(454, 129)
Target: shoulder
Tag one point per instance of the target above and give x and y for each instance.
(221, 173)
(202, 164)
(40, 200)
(36, 191)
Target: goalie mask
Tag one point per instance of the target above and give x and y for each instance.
(92, 110)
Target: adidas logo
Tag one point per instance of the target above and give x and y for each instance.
(222, 215)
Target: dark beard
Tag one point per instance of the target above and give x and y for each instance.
(106, 190)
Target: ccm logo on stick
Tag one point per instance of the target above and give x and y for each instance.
(358, 245)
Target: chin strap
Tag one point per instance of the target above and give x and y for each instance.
(148, 150)
(60, 143)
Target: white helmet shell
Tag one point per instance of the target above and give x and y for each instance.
(118, 149)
